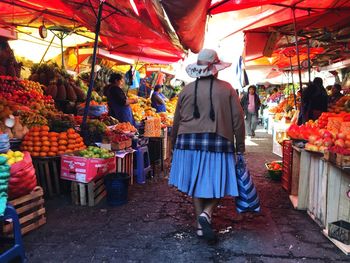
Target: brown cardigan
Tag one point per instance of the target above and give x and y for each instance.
(229, 118)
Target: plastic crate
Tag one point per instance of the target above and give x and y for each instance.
(287, 160)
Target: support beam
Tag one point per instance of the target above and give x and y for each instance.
(84, 131)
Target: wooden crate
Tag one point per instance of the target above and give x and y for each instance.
(88, 194)
(126, 165)
(318, 180)
(31, 211)
(301, 199)
(47, 172)
(295, 171)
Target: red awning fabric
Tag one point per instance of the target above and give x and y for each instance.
(123, 29)
(329, 30)
(280, 13)
(234, 5)
(188, 19)
(223, 6)
(33, 13)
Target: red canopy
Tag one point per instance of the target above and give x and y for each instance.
(188, 19)
(232, 5)
(328, 32)
(279, 13)
(124, 30)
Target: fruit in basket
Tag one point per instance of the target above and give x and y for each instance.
(275, 166)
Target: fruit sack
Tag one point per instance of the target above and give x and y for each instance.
(4, 176)
(86, 168)
(94, 111)
(4, 143)
(22, 177)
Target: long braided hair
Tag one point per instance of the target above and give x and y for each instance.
(196, 113)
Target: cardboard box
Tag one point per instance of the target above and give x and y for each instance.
(84, 170)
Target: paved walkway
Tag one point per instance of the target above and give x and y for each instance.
(157, 226)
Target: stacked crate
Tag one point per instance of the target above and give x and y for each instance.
(287, 162)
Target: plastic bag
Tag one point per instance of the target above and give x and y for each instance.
(248, 200)
(22, 179)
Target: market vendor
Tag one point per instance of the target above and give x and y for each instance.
(335, 94)
(158, 99)
(314, 100)
(118, 103)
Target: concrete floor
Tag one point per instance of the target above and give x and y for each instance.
(157, 225)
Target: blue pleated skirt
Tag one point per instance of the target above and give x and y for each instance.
(204, 174)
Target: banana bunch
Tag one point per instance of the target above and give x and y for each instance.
(32, 119)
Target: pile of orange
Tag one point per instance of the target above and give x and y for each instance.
(40, 142)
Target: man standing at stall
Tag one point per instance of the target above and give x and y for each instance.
(118, 103)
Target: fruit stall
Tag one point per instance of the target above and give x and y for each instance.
(43, 155)
(319, 178)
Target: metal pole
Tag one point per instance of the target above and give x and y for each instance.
(308, 60)
(83, 127)
(47, 49)
(61, 38)
(291, 71)
(297, 46)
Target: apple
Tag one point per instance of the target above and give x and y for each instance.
(340, 142)
(341, 136)
(318, 142)
(327, 142)
(347, 144)
(322, 149)
(327, 134)
(312, 139)
(322, 131)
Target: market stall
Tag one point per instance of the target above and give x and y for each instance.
(319, 178)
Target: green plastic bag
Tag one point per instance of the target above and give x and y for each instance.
(4, 177)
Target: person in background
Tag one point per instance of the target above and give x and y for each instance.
(329, 90)
(314, 100)
(144, 90)
(129, 77)
(208, 130)
(117, 101)
(158, 100)
(251, 104)
(335, 94)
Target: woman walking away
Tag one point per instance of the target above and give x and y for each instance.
(208, 122)
(251, 104)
